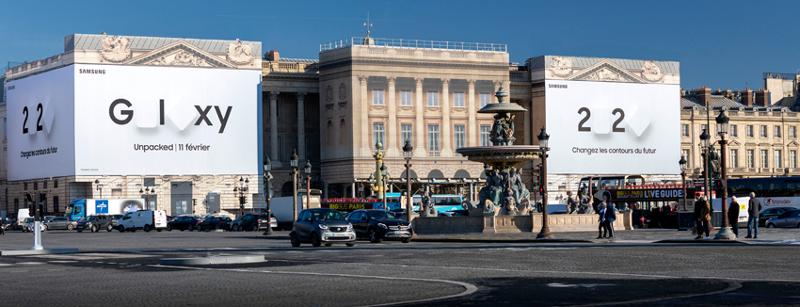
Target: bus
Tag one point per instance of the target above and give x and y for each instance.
(606, 182)
(444, 203)
(771, 191)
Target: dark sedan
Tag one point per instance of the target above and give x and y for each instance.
(185, 222)
(377, 225)
(772, 212)
(214, 223)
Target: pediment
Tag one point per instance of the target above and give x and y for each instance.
(606, 71)
(734, 143)
(793, 143)
(180, 53)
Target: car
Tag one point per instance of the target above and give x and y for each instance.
(183, 222)
(213, 222)
(94, 223)
(248, 222)
(789, 219)
(772, 212)
(377, 225)
(262, 223)
(28, 225)
(59, 223)
(322, 226)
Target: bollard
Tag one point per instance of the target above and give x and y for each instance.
(37, 235)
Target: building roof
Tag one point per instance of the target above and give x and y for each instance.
(686, 103)
(789, 102)
(95, 42)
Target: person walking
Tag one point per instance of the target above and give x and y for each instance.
(572, 205)
(753, 210)
(610, 217)
(702, 214)
(601, 229)
(733, 216)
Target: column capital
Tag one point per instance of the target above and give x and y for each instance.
(391, 79)
(471, 82)
(445, 82)
(419, 80)
(363, 79)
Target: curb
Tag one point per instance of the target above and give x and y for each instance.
(214, 260)
(468, 240)
(685, 241)
(31, 252)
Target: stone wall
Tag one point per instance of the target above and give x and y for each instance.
(514, 224)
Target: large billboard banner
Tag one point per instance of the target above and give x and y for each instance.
(612, 127)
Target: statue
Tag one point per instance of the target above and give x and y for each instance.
(503, 130)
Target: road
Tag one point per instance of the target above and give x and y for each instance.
(125, 270)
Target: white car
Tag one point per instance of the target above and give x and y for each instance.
(146, 220)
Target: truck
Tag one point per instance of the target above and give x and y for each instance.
(81, 208)
(281, 208)
(146, 220)
(22, 214)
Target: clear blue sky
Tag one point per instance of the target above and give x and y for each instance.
(719, 43)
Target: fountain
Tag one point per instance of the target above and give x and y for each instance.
(505, 193)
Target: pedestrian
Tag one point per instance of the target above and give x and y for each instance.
(753, 210)
(601, 211)
(2, 226)
(702, 215)
(572, 205)
(610, 217)
(733, 216)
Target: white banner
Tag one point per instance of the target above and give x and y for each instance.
(612, 128)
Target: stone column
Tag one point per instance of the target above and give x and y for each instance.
(301, 133)
(390, 131)
(273, 127)
(419, 123)
(446, 150)
(473, 135)
(366, 147)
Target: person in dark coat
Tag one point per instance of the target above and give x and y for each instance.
(753, 210)
(601, 219)
(733, 216)
(702, 215)
(610, 216)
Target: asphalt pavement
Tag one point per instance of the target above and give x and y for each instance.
(125, 269)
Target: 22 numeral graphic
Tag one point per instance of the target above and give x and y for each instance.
(39, 127)
(614, 128)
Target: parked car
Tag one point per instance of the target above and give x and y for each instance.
(377, 225)
(772, 212)
(214, 222)
(59, 223)
(789, 219)
(28, 225)
(248, 222)
(183, 222)
(96, 223)
(322, 226)
(262, 223)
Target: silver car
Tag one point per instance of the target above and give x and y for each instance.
(789, 219)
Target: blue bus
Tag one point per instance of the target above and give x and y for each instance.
(443, 203)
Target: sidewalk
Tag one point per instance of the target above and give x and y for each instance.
(766, 236)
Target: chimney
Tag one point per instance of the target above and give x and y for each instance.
(273, 55)
(747, 97)
(762, 98)
(703, 95)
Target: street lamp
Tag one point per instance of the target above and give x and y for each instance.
(242, 189)
(384, 187)
(99, 187)
(683, 165)
(307, 170)
(293, 163)
(147, 192)
(268, 193)
(704, 141)
(408, 152)
(543, 141)
(725, 232)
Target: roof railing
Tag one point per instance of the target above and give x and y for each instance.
(414, 43)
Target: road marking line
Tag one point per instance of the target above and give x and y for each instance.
(468, 288)
(30, 263)
(732, 286)
(62, 261)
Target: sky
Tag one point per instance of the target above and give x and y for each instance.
(721, 44)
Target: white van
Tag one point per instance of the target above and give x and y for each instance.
(146, 220)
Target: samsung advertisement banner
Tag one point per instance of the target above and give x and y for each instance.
(137, 120)
(612, 128)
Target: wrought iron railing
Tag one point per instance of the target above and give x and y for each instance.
(414, 43)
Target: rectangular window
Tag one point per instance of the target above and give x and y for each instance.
(764, 159)
(749, 131)
(763, 131)
(485, 131)
(405, 98)
(44, 184)
(751, 159)
(377, 97)
(685, 153)
(458, 99)
(25, 186)
(433, 140)
(459, 136)
(777, 131)
(685, 130)
(734, 158)
(704, 127)
(55, 184)
(378, 133)
(405, 133)
(35, 185)
(55, 204)
(793, 159)
(433, 99)
(792, 131)
(484, 97)
(734, 131)
(778, 158)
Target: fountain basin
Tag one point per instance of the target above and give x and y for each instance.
(501, 154)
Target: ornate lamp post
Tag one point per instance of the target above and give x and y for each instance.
(682, 162)
(293, 163)
(725, 232)
(408, 151)
(704, 141)
(146, 193)
(307, 171)
(378, 186)
(99, 187)
(268, 192)
(242, 189)
(384, 187)
(543, 140)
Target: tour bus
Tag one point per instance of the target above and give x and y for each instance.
(771, 191)
(444, 203)
(605, 182)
